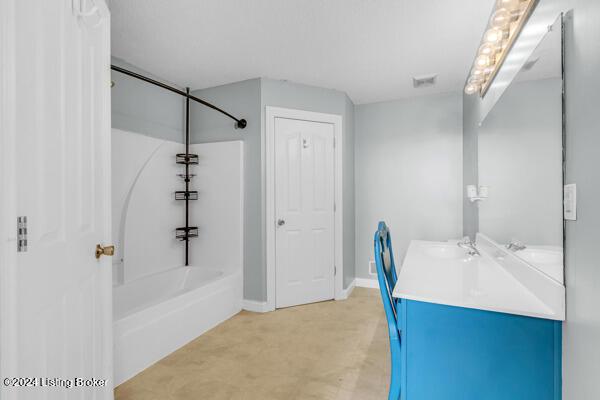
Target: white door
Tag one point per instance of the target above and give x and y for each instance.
(304, 202)
(56, 300)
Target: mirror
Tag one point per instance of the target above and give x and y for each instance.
(520, 150)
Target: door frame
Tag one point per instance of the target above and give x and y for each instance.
(336, 121)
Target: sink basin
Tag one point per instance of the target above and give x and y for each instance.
(548, 261)
(444, 251)
(541, 256)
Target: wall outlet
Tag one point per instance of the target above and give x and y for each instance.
(372, 268)
(570, 202)
(477, 193)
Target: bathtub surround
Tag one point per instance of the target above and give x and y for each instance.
(412, 147)
(144, 180)
(122, 142)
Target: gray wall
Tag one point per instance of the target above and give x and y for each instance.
(581, 353)
(241, 99)
(408, 172)
(581, 330)
(143, 108)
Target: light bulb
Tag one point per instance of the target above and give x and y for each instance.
(488, 70)
(487, 49)
(511, 5)
(471, 88)
(482, 61)
(476, 80)
(501, 18)
(493, 36)
(477, 73)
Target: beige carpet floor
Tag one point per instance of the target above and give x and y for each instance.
(332, 350)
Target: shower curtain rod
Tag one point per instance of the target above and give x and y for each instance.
(239, 123)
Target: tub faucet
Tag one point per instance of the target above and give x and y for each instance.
(467, 244)
(515, 245)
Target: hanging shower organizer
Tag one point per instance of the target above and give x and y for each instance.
(187, 232)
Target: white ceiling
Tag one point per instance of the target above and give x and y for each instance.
(369, 49)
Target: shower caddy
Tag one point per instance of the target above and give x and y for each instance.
(184, 233)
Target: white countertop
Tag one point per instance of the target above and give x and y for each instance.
(443, 273)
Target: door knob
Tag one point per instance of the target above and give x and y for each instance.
(104, 251)
(280, 222)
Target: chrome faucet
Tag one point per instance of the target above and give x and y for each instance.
(467, 244)
(515, 245)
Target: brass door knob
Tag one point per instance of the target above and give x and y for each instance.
(104, 251)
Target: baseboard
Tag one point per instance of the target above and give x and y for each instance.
(255, 306)
(367, 283)
(348, 291)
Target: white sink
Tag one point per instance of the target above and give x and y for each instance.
(444, 251)
(549, 261)
(541, 256)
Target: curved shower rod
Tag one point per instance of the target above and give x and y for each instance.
(239, 123)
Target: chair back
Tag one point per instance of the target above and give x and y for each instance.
(386, 275)
(386, 270)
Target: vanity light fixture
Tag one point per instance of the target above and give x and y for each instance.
(505, 24)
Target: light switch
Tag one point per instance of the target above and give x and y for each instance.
(570, 202)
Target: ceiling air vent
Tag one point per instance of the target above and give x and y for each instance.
(424, 81)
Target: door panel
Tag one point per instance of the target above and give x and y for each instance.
(63, 316)
(304, 196)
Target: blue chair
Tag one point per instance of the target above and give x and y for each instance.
(386, 274)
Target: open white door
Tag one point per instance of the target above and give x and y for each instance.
(55, 296)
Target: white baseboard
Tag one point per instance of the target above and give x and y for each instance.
(255, 306)
(262, 306)
(367, 283)
(346, 292)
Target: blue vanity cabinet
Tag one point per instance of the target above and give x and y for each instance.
(455, 353)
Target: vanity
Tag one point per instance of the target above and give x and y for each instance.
(477, 327)
(484, 322)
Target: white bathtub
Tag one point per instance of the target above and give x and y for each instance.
(157, 314)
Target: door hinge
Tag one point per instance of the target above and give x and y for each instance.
(334, 207)
(334, 270)
(334, 143)
(22, 234)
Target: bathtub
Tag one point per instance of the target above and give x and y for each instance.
(157, 314)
